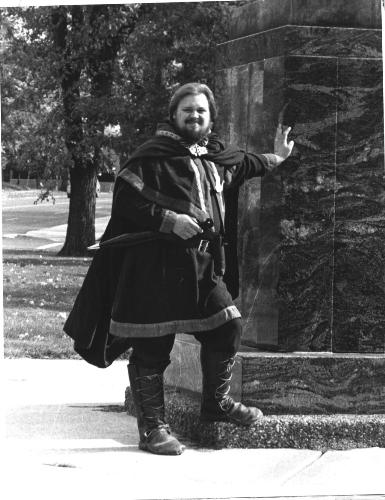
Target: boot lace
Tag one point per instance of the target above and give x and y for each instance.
(221, 394)
(152, 400)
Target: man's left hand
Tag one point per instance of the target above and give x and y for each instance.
(282, 149)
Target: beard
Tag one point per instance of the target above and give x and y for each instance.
(192, 135)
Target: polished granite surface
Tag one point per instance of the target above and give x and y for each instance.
(313, 41)
(321, 383)
(311, 233)
(359, 293)
(257, 16)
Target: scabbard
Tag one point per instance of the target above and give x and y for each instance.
(132, 239)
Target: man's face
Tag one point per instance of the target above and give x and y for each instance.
(192, 117)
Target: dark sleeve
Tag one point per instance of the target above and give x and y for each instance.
(145, 215)
(253, 165)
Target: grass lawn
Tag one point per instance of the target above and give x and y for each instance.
(39, 291)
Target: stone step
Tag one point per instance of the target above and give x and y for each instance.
(291, 383)
(315, 432)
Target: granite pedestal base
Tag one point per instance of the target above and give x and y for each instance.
(314, 432)
(291, 383)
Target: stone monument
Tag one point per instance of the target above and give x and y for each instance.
(311, 235)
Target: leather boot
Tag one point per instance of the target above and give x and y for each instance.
(217, 405)
(148, 395)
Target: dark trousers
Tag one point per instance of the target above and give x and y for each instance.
(155, 352)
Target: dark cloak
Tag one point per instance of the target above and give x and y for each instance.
(88, 322)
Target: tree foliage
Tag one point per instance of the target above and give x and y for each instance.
(71, 73)
(31, 116)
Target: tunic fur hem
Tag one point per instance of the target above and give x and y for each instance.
(172, 327)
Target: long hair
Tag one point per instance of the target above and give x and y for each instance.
(193, 88)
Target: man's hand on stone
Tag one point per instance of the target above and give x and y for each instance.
(282, 149)
(186, 227)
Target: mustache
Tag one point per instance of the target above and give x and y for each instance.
(194, 120)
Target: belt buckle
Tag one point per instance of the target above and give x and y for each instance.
(203, 245)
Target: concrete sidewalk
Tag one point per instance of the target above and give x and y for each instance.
(58, 233)
(47, 237)
(67, 436)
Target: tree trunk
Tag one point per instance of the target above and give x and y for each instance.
(98, 60)
(81, 217)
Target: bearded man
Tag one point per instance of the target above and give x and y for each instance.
(174, 270)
